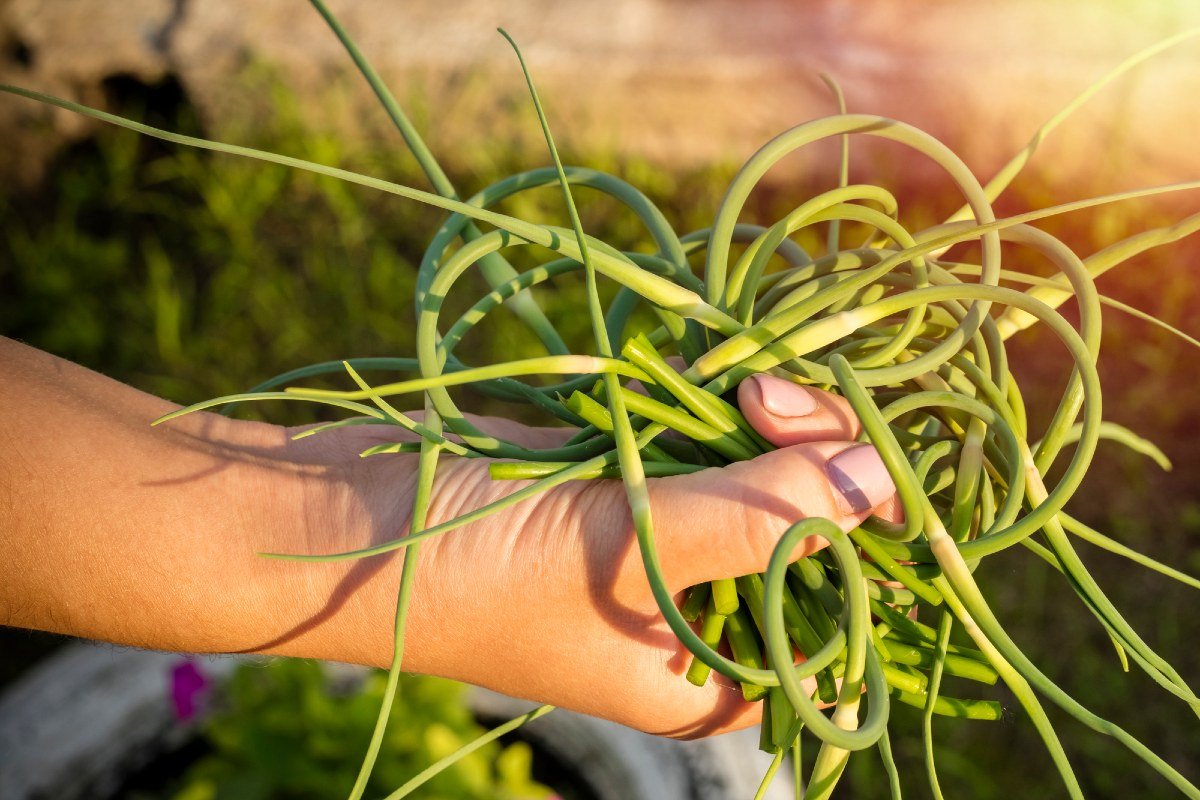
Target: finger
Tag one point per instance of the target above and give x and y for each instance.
(684, 711)
(721, 523)
(890, 510)
(786, 413)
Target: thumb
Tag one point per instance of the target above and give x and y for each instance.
(722, 523)
(785, 413)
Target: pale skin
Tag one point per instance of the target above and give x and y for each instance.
(148, 536)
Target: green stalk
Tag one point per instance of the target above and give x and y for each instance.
(935, 684)
(493, 266)
(711, 630)
(917, 346)
(441, 764)
(426, 469)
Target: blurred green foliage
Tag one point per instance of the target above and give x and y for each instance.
(282, 733)
(190, 275)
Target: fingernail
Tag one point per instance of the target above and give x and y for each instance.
(784, 398)
(861, 479)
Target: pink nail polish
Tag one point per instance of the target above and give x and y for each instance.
(861, 479)
(783, 398)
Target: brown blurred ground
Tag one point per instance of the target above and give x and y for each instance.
(679, 83)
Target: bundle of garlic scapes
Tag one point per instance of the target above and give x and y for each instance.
(913, 340)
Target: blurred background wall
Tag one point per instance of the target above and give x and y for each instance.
(679, 82)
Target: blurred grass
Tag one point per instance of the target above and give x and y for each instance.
(190, 275)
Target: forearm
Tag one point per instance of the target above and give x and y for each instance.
(114, 530)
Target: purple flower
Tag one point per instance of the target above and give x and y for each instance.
(189, 684)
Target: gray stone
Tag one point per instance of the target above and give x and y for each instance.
(90, 715)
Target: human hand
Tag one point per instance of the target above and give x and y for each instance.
(147, 536)
(547, 599)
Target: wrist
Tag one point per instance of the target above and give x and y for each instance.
(259, 500)
(328, 500)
